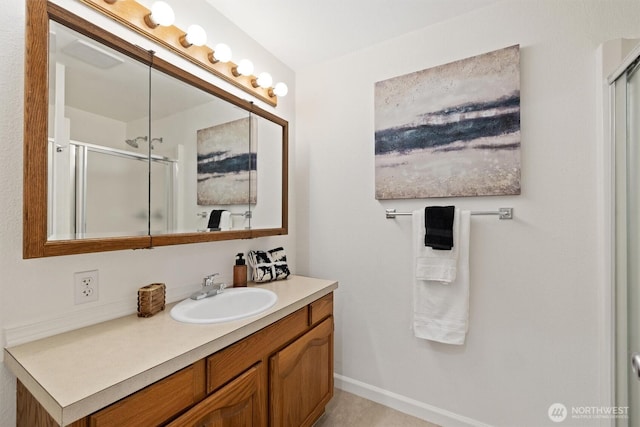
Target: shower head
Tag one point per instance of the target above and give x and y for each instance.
(134, 142)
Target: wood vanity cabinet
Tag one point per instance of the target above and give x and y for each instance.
(281, 375)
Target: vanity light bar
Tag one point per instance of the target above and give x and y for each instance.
(136, 17)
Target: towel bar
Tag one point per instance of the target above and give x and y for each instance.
(503, 213)
(246, 214)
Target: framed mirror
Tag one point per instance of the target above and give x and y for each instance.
(123, 150)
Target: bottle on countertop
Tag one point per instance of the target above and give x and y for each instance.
(240, 272)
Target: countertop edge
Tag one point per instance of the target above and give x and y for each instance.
(46, 400)
(65, 415)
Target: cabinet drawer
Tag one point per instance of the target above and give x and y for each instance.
(227, 363)
(320, 309)
(157, 403)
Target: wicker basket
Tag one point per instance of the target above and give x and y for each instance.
(151, 299)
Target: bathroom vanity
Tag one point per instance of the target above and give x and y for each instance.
(272, 369)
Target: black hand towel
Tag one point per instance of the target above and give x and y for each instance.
(438, 221)
(214, 219)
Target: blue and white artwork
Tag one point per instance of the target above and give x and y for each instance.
(227, 164)
(451, 130)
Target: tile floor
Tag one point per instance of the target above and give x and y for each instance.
(349, 410)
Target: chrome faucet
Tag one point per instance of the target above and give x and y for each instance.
(209, 289)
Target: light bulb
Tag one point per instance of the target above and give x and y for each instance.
(195, 36)
(244, 68)
(280, 89)
(221, 53)
(161, 14)
(264, 80)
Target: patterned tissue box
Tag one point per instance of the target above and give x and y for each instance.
(151, 299)
(269, 265)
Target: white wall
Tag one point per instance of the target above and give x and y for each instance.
(35, 294)
(534, 316)
(95, 129)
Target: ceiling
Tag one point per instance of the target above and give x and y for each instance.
(302, 33)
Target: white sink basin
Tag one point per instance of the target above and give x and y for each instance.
(231, 304)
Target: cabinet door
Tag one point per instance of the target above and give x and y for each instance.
(301, 378)
(238, 404)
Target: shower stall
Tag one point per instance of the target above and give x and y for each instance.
(98, 191)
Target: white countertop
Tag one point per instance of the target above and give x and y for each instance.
(79, 372)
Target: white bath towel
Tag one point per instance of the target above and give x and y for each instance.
(226, 222)
(435, 264)
(440, 310)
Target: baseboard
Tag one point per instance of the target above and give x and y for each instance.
(86, 315)
(404, 404)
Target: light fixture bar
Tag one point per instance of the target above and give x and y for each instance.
(132, 14)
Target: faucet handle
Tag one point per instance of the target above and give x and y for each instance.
(208, 280)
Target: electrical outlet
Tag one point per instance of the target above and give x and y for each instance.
(86, 286)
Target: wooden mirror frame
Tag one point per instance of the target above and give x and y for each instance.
(35, 242)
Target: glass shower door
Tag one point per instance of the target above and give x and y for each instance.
(113, 194)
(625, 94)
(633, 242)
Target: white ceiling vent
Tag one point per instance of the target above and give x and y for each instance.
(91, 54)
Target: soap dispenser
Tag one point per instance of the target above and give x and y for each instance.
(240, 272)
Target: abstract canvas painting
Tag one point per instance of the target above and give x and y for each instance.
(451, 130)
(227, 164)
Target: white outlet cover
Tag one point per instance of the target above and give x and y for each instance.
(85, 286)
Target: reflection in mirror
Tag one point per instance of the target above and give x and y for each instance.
(266, 211)
(206, 142)
(97, 180)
